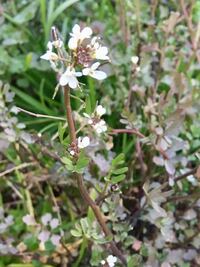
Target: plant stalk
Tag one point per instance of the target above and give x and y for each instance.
(83, 191)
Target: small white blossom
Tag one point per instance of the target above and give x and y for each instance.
(138, 69)
(78, 36)
(134, 59)
(49, 55)
(83, 142)
(100, 127)
(111, 260)
(99, 52)
(29, 220)
(14, 110)
(69, 78)
(94, 73)
(72, 152)
(58, 43)
(100, 110)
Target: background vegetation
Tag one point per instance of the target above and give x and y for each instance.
(153, 114)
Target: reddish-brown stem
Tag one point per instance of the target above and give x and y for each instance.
(72, 131)
(129, 131)
(86, 197)
(190, 28)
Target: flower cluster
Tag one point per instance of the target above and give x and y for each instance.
(84, 52)
(95, 120)
(82, 142)
(110, 260)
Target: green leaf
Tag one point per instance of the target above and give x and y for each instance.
(84, 225)
(196, 12)
(68, 163)
(134, 261)
(31, 243)
(120, 171)
(82, 162)
(76, 233)
(49, 246)
(118, 160)
(31, 101)
(27, 14)
(118, 178)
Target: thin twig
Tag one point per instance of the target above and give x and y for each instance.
(40, 115)
(19, 167)
(129, 131)
(182, 176)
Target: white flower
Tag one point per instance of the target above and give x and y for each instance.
(83, 142)
(135, 59)
(89, 118)
(97, 74)
(99, 52)
(29, 220)
(100, 127)
(138, 69)
(69, 78)
(78, 36)
(111, 260)
(72, 152)
(49, 55)
(58, 43)
(100, 110)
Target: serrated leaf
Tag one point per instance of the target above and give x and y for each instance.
(117, 179)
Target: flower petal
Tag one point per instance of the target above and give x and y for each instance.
(86, 33)
(50, 46)
(99, 75)
(95, 66)
(73, 43)
(101, 53)
(64, 79)
(86, 71)
(78, 74)
(73, 82)
(46, 56)
(76, 29)
(100, 110)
